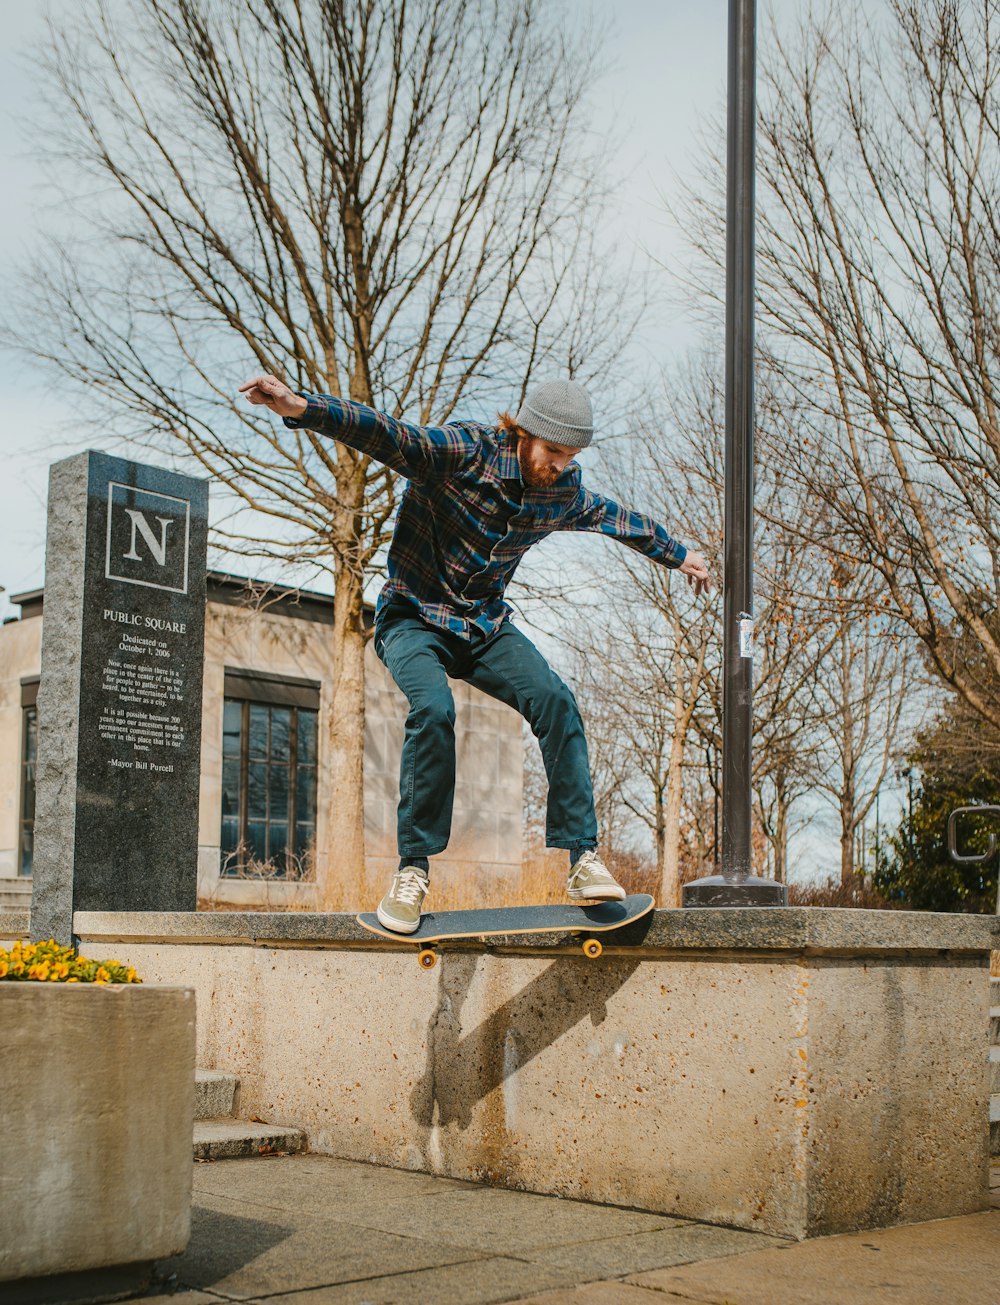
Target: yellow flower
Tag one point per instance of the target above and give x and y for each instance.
(60, 969)
(102, 976)
(4, 967)
(39, 971)
(130, 975)
(29, 951)
(18, 968)
(74, 979)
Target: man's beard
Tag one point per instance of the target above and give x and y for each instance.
(538, 477)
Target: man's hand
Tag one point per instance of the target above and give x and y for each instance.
(274, 394)
(695, 568)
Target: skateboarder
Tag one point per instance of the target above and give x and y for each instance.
(478, 497)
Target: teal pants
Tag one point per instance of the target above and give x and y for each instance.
(509, 667)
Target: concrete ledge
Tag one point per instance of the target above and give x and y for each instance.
(808, 930)
(14, 924)
(797, 1072)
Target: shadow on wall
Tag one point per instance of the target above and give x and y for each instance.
(464, 1067)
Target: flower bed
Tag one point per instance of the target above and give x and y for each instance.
(48, 962)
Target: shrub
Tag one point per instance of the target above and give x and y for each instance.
(831, 892)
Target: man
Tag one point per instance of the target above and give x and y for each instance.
(478, 497)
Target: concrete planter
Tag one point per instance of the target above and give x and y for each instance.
(96, 1108)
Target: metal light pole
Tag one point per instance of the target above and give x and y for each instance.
(736, 885)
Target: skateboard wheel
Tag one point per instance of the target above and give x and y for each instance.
(427, 958)
(592, 948)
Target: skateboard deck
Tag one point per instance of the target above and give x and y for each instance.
(509, 921)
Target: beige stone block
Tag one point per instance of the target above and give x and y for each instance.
(553, 1080)
(511, 758)
(510, 836)
(775, 1090)
(888, 1082)
(479, 715)
(380, 831)
(600, 1060)
(208, 869)
(477, 757)
(20, 656)
(378, 760)
(271, 894)
(474, 834)
(97, 1085)
(381, 786)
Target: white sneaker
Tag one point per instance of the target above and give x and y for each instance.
(399, 909)
(590, 880)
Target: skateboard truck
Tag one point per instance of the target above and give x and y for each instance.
(591, 948)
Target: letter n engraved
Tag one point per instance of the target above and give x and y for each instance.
(158, 549)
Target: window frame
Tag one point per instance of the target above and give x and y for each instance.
(29, 708)
(263, 689)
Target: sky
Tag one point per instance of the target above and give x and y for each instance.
(667, 76)
(666, 81)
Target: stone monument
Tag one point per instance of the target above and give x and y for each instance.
(119, 706)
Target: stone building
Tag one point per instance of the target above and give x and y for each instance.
(263, 762)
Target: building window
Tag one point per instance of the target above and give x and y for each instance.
(268, 776)
(29, 754)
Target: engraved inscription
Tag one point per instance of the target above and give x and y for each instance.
(141, 692)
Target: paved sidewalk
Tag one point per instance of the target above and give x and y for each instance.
(950, 1261)
(313, 1230)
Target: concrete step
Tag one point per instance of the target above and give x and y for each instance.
(995, 1025)
(995, 1125)
(15, 894)
(995, 1071)
(994, 992)
(214, 1093)
(233, 1139)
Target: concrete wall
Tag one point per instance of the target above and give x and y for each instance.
(486, 834)
(20, 656)
(798, 1072)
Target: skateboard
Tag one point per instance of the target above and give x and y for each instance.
(585, 921)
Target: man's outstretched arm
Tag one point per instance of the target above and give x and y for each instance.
(606, 517)
(416, 452)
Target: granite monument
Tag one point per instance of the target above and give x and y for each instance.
(119, 706)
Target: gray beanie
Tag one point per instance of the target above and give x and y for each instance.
(558, 411)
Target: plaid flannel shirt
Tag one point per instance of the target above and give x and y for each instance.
(466, 518)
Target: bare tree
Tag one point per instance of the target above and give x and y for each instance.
(596, 683)
(387, 201)
(664, 686)
(879, 283)
(792, 637)
(861, 694)
(639, 704)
